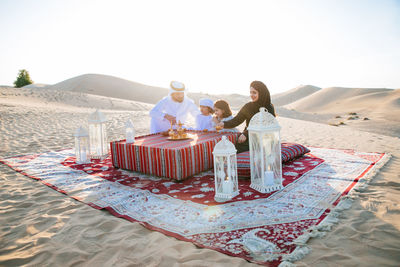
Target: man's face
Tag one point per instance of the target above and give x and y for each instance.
(178, 96)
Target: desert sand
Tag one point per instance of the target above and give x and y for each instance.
(41, 227)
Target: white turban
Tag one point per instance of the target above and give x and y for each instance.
(176, 87)
(207, 102)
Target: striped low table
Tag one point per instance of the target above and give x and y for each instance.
(154, 154)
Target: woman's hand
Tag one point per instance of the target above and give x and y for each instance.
(242, 138)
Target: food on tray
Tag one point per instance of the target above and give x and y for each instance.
(165, 133)
(180, 133)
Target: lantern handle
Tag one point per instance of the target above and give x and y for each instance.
(261, 117)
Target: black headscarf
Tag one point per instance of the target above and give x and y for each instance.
(264, 97)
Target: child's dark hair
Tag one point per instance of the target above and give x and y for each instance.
(223, 105)
(210, 110)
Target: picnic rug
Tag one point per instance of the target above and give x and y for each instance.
(269, 229)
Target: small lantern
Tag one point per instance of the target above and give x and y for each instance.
(225, 170)
(98, 135)
(82, 146)
(265, 152)
(129, 132)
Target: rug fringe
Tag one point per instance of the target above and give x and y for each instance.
(363, 183)
(297, 254)
(286, 264)
(333, 217)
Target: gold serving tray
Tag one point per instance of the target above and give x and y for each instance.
(178, 139)
(188, 136)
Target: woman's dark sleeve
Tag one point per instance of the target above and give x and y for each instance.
(237, 120)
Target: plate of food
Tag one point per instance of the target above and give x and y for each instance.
(180, 137)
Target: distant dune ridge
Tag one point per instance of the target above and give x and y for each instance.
(110, 86)
(294, 94)
(338, 99)
(36, 85)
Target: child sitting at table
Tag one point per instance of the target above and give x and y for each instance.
(204, 120)
(222, 113)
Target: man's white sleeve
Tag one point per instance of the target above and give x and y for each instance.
(157, 111)
(194, 110)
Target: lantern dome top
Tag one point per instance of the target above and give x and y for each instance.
(97, 117)
(129, 123)
(81, 132)
(224, 147)
(263, 120)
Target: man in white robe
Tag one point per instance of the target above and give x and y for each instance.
(171, 109)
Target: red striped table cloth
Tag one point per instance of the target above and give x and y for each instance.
(154, 154)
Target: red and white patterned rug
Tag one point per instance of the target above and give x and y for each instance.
(263, 228)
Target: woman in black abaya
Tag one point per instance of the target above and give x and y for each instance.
(260, 97)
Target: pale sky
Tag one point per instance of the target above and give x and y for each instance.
(212, 46)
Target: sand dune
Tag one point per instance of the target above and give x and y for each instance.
(294, 94)
(109, 86)
(386, 104)
(336, 99)
(36, 85)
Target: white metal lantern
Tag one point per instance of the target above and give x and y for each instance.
(225, 170)
(98, 135)
(129, 132)
(82, 147)
(265, 152)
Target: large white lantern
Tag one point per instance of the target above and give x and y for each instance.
(225, 170)
(265, 152)
(98, 135)
(129, 132)
(82, 147)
